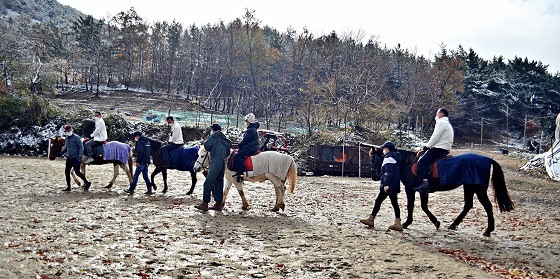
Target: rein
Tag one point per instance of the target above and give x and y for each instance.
(203, 161)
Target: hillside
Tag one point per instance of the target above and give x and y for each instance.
(39, 11)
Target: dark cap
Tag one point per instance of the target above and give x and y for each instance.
(216, 127)
(389, 145)
(67, 128)
(137, 133)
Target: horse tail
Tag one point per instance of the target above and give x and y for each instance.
(501, 195)
(292, 175)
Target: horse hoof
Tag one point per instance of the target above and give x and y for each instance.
(406, 224)
(283, 206)
(189, 192)
(486, 233)
(154, 187)
(452, 227)
(245, 207)
(276, 209)
(437, 224)
(108, 186)
(164, 190)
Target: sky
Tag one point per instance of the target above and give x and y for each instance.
(492, 28)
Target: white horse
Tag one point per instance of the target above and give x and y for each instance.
(273, 166)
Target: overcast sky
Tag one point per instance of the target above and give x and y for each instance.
(523, 28)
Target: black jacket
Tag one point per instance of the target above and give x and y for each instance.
(143, 151)
(391, 172)
(250, 140)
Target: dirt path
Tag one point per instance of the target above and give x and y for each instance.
(106, 233)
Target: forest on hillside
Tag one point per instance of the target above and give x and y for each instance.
(320, 82)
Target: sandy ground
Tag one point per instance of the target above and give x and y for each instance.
(47, 233)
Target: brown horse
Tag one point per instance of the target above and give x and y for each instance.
(57, 144)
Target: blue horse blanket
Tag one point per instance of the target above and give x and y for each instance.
(115, 150)
(467, 168)
(183, 159)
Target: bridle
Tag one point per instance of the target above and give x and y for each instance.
(204, 158)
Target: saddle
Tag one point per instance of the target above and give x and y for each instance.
(97, 149)
(432, 168)
(248, 161)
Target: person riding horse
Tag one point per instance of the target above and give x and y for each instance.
(438, 146)
(175, 141)
(248, 146)
(98, 136)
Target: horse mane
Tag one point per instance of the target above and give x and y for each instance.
(407, 156)
(155, 144)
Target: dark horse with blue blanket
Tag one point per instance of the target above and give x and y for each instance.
(182, 159)
(470, 170)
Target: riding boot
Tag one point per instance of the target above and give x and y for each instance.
(425, 187)
(369, 220)
(397, 225)
(68, 189)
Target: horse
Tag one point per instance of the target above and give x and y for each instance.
(260, 161)
(57, 143)
(476, 185)
(159, 162)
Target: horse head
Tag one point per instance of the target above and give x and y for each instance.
(55, 146)
(377, 161)
(203, 160)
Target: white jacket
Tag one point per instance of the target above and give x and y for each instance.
(176, 134)
(442, 136)
(100, 133)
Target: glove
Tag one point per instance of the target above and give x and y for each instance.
(386, 189)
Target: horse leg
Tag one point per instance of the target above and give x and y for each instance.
(83, 165)
(482, 196)
(153, 176)
(469, 195)
(410, 197)
(280, 189)
(193, 182)
(73, 174)
(226, 190)
(164, 175)
(127, 171)
(115, 174)
(424, 205)
(239, 186)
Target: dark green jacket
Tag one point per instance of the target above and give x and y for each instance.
(219, 145)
